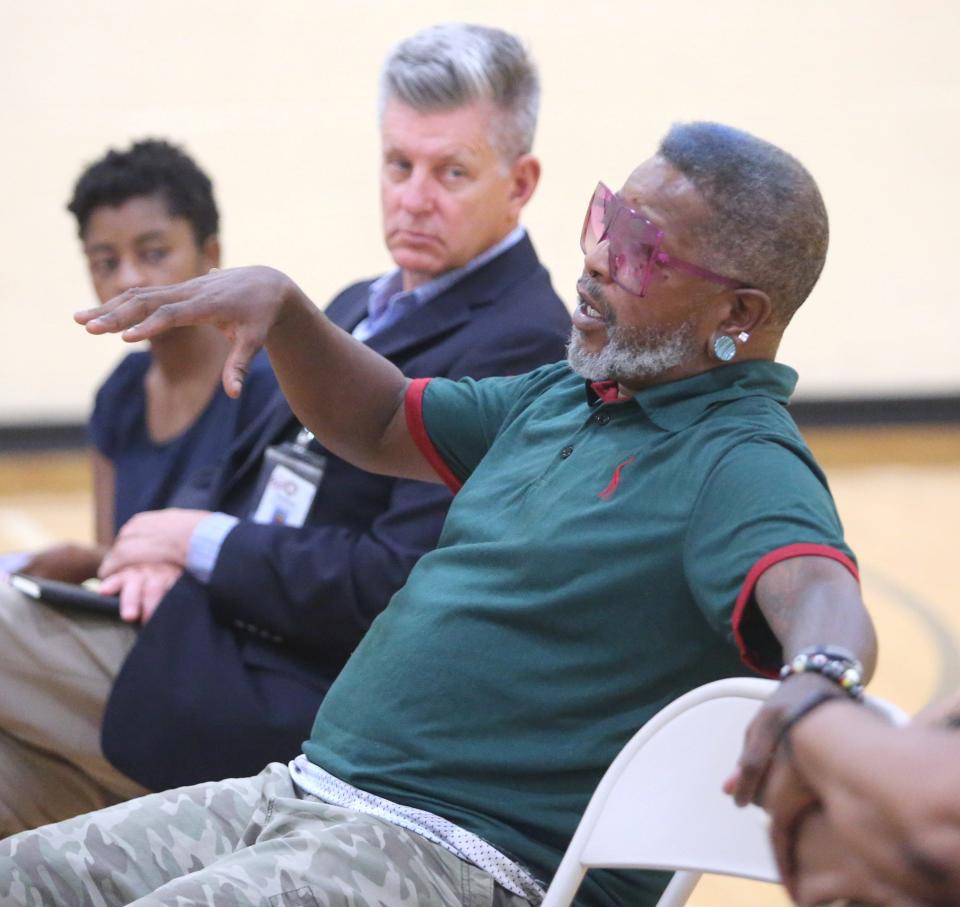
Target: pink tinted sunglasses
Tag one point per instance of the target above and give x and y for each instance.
(634, 244)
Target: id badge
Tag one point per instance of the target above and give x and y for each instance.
(289, 479)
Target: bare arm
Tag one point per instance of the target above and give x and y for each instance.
(811, 601)
(104, 490)
(945, 712)
(889, 795)
(68, 562)
(807, 601)
(822, 878)
(349, 396)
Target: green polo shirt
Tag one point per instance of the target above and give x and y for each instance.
(597, 562)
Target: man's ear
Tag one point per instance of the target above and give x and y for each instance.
(210, 253)
(750, 310)
(525, 174)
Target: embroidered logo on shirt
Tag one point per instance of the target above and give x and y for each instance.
(611, 488)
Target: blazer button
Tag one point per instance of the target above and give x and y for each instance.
(565, 452)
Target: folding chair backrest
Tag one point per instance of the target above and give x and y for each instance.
(660, 804)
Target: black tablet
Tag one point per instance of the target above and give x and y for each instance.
(67, 595)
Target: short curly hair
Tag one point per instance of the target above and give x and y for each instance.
(149, 167)
(767, 224)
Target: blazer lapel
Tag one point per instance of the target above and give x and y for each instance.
(269, 429)
(348, 311)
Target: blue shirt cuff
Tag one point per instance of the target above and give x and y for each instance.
(206, 542)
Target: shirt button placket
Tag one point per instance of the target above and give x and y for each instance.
(566, 452)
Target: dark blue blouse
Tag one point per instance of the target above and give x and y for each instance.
(147, 474)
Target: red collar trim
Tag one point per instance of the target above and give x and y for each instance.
(607, 391)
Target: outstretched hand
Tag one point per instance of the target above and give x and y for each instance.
(244, 303)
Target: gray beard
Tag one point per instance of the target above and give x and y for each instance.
(630, 356)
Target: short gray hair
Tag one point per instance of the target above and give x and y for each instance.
(767, 225)
(449, 66)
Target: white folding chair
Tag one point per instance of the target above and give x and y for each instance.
(660, 804)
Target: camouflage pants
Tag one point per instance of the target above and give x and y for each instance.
(237, 843)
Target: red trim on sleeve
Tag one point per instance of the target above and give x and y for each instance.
(750, 658)
(413, 410)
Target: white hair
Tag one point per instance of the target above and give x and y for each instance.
(448, 66)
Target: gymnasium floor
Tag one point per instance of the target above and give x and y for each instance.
(898, 491)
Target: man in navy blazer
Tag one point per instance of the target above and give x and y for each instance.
(230, 673)
(252, 594)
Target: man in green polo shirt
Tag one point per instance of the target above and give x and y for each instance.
(614, 542)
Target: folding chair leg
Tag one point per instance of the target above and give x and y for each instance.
(678, 892)
(565, 883)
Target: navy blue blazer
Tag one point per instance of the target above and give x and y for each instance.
(227, 677)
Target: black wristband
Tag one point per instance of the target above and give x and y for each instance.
(803, 709)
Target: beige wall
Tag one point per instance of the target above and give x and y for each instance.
(277, 101)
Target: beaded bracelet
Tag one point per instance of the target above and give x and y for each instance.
(832, 662)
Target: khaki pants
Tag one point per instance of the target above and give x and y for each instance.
(56, 670)
(247, 842)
